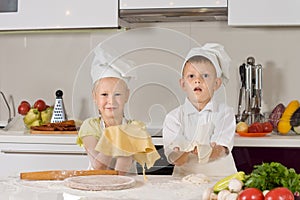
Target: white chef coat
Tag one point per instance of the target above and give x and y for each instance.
(185, 127)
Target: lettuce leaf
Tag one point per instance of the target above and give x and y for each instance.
(271, 175)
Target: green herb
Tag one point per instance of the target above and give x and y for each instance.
(271, 175)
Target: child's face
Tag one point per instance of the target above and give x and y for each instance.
(199, 81)
(110, 95)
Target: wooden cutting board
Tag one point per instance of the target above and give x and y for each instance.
(53, 132)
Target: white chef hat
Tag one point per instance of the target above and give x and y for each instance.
(216, 54)
(105, 65)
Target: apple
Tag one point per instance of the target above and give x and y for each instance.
(40, 105)
(23, 108)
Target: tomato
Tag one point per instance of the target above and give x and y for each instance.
(280, 193)
(251, 194)
(40, 105)
(23, 108)
(256, 127)
(267, 127)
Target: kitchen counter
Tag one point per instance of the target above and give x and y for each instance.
(271, 140)
(155, 188)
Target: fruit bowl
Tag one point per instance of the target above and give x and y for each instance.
(38, 114)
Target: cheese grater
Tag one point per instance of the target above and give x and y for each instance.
(59, 113)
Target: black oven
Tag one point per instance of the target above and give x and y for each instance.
(161, 166)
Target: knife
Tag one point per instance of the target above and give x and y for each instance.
(63, 174)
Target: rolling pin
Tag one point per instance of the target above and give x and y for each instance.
(63, 174)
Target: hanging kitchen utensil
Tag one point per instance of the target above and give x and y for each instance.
(256, 110)
(248, 90)
(239, 115)
(59, 114)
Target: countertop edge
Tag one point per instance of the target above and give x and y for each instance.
(272, 140)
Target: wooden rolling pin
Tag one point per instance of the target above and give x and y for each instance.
(63, 174)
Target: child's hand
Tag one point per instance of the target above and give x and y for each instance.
(195, 151)
(218, 151)
(178, 157)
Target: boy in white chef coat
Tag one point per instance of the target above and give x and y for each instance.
(112, 141)
(198, 135)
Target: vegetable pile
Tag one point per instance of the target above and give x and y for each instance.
(255, 127)
(286, 119)
(282, 119)
(271, 175)
(268, 181)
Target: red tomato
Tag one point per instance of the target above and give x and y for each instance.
(256, 127)
(40, 105)
(267, 127)
(251, 194)
(23, 108)
(280, 193)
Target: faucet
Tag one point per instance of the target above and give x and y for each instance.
(8, 107)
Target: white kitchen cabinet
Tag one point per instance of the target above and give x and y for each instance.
(24, 157)
(58, 14)
(263, 13)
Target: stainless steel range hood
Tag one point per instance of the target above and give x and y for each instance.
(174, 14)
(143, 11)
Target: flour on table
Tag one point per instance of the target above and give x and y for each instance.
(196, 179)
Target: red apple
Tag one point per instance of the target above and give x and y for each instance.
(23, 108)
(40, 105)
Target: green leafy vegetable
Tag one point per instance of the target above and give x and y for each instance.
(271, 175)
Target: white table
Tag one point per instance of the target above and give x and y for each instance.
(156, 188)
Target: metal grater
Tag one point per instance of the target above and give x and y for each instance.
(59, 113)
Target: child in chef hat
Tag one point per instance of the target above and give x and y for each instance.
(198, 135)
(112, 141)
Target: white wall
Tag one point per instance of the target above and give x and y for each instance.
(34, 65)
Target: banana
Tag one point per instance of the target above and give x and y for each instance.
(223, 183)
